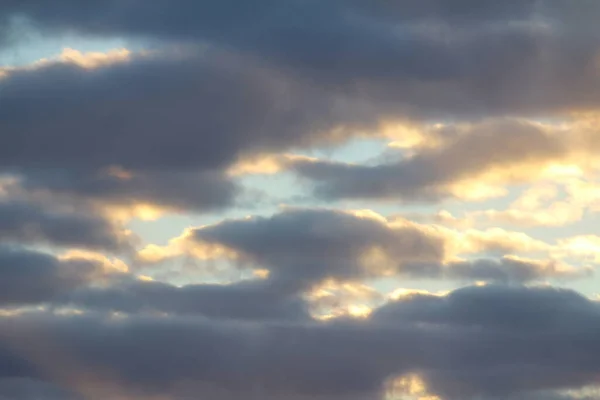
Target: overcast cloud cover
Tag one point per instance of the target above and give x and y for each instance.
(300, 199)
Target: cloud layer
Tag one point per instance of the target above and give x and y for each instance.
(475, 341)
(302, 247)
(299, 199)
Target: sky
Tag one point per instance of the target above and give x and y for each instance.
(299, 199)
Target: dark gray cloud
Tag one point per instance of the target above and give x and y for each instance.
(203, 111)
(275, 76)
(427, 174)
(496, 308)
(268, 76)
(281, 30)
(179, 190)
(30, 389)
(157, 113)
(423, 58)
(246, 300)
(174, 122)
(461, 11)
(196, 19)
(29, 277)
(511, 270)
(22, 222)
(509, 315)
(37, 279)
(503, 270)
(305, 246)
(301, 247)
(477, 342)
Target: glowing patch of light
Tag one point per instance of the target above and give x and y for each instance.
(408, 387)
(563, 170)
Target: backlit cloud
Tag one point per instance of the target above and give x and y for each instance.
(299, 199)
(303, 247)
(485, 157)
(452, 342)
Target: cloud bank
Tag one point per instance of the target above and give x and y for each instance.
(299, 199)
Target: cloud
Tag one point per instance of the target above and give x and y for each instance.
(585, 246)
(30, 389)
(556, 201)
(493, 241)
(30, 277)
(158, 128)
(219, 16)
(543, 204)
(484, 156)
(208, 105)
(82, 280)
(510, 313)
(22, 222)
(455, 343)
(494, 307)
(246, 300)
(476, 99)
(556, 214)
(332, 299)
(511, 269)
(118, 189)
(86, 60)
(430, 60)
(167, 110)
(194, 104)
(303, 247)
